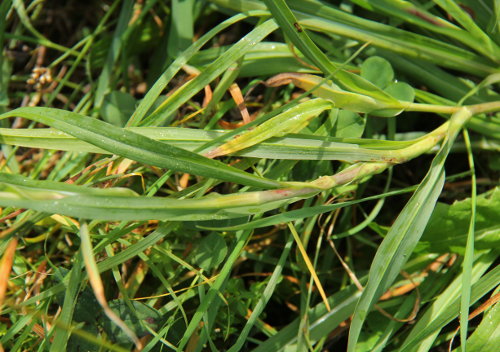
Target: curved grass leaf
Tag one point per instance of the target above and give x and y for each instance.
(137, 147)
(351, 82)
(84, 202)
(341, 98)
(405, 233)
(160, 84)
(180, 96)
(292, 120)
(293, 146)
(486, 336)
(484, 285)
(324, 18)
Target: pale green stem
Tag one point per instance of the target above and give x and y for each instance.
(359, 171)
(445, 109)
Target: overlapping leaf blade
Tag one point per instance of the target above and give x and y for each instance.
(137, 147)
(405, 233)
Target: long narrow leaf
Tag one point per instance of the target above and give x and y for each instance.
(469, 253)
(291, 146)
(301, 39)
(266, 295)
(484, 285)
(118, 204)
(292, 120)
(98, 286)
(137, 147)
(180, 96)
(405, 233)
(160, 84)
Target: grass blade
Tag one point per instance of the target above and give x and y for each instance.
(104, 81)
(469, 253)
(289, 24)
(180, 96)
(292, 120)
(160, 84)
(6, 267)
(97, 285)
(484, 285)
(118, 204)
(291, 146)
(405, 232)
(266, 295)
(309, 265)
(181, 27)
(62, 327)
(137, 147)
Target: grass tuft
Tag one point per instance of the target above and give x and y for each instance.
(249, 175)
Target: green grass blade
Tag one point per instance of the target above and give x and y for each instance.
(484, 285)
(137, 147)
(290, 26)
(292, 120)
(62, 328)
(291, 146)
(265, 59)
(227, 79)
(242, 238)
(117, 204)
(266, 295)
(104, 81)
(180, 96)
(469, 253)
(181, 31)
(63, 189)
(491, 49)
(97, 284)
(160, 84)
(404, 233)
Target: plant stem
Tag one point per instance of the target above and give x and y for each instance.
(446, 109)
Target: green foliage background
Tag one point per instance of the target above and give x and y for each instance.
(358, 208)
